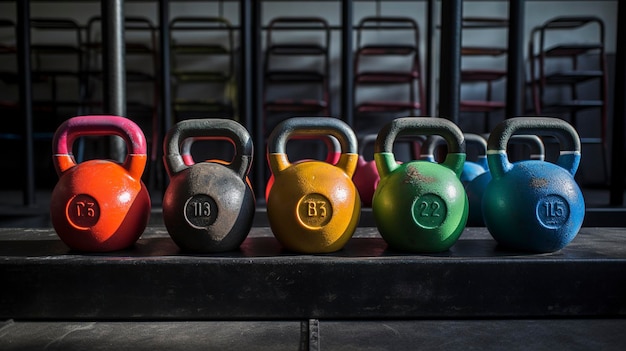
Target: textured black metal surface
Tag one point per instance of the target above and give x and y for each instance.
(484, 335)
(510, 335)
(42, 279)
(150, 336)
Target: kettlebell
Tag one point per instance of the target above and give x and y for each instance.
(533, 205)
(420, 206)
(332, 156)
(99, 205)
(366, 176)
(208, 206)
(313, 206)
(476, 187)
(471, 169)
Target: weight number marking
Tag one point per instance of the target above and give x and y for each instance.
(429, 211)
(201, 208)
(83, 211)
(314, 210)
(554, 208)
(200, 211)
(552, 211)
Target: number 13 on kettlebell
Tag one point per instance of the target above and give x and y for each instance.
(420, 206)
(313, 206)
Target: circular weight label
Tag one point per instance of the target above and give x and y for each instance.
(83, 211)
(314, 210)
(429, 211)
(200, 211)
(552, 211)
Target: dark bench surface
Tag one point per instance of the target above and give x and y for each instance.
(43, 279)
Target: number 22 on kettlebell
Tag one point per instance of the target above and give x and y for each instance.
(420, 206)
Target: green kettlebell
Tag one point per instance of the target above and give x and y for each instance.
(420, 206)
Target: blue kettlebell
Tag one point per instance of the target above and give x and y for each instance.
(470, 169)
(533, 206)
(476, 187)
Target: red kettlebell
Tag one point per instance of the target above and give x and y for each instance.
(332, 155)
(366, 176)
(99, 205)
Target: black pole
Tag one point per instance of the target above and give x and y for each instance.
(347, 74)
(619, 112)
(450, 68)
(250, 18)
(246, 61)
(515, 59)
(26, 99)
(164, 40)
(114, 77)
(165, 122)
(428, 106)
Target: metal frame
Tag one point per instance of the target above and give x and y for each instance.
(249, 104)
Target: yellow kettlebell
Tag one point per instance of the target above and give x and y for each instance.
(313, 206)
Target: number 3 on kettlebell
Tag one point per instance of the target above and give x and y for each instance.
(313, 208)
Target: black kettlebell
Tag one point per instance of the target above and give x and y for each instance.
(208, 206)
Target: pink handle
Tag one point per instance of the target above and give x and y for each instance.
(100, 125)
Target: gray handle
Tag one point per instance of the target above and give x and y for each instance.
(211, 128)
(277, 142)
(420, 126)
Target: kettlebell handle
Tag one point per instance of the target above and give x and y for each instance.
(312, 126)
(366, 140)
(100, 125)
(475, 139)
(183, 133)
(569, 157)
(432, 126)
(537, 149)
(332, 144)
(432, 142)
